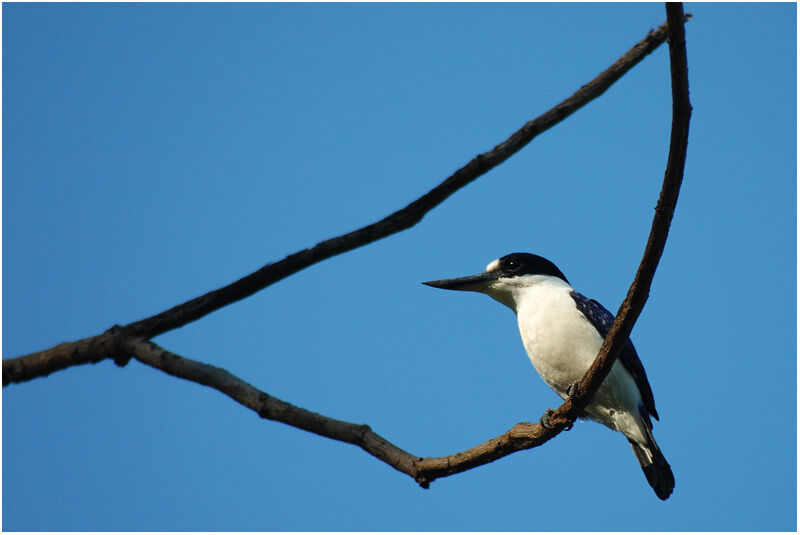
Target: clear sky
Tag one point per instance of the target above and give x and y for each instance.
(154, 152)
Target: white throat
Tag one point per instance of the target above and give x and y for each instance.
(519, 292)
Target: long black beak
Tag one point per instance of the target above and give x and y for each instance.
(473, 283)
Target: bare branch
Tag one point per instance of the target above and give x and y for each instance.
(521, 436)
(639, 291)
(401, 219)
(119, 343)
(42, 363)
(525, 435)
(267, 406)
(87, 350)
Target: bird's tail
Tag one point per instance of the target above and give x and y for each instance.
(655, 467)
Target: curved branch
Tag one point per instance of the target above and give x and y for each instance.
(525, 435)
(267, 406)
(522, 436)
(37, 364)
(404, 218)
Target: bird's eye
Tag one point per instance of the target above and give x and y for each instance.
(513, 266)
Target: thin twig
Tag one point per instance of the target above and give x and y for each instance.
(42, 363)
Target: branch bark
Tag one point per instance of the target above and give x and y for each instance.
(267, 406)
(523, 435)
(423, 470)
(639, 290)
(42, 363)
(404, 218)
(527, 435)
(131, 341)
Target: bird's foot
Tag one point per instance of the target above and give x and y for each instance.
(545, 420)
(572, 391)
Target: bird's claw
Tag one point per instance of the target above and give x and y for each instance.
(545, 420)
(572, 391)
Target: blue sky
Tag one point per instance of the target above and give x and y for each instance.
(154, 152)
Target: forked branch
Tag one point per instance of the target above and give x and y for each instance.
(68, 354)
(131, 341)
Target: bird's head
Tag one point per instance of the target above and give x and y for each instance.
(506, 278)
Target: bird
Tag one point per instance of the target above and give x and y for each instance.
(562, 332)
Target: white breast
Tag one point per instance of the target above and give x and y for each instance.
(562, 344)
(559, 342)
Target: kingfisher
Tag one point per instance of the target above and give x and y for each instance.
(562, 332)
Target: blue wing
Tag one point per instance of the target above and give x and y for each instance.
(602, 319)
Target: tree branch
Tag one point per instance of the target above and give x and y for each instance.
(523, 435)
(42, 363)
(526, 435)
(404, 218)
(87, 350)
(267, 406)
(64, 355)
(121, 344)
